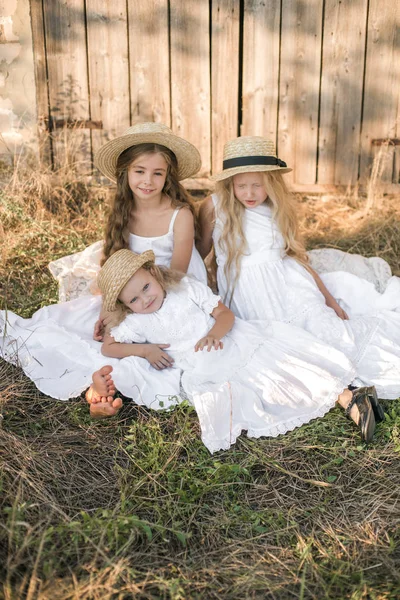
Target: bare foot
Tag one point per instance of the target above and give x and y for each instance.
(103, 384)
(101, 393)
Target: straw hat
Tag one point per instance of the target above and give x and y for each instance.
(117, 271)
(249, 154)
(188, 157)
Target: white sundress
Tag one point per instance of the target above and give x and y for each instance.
(268, 379)
(55, 347)
(273, 286)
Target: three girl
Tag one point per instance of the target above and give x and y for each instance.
(152, 210)
(263, 270)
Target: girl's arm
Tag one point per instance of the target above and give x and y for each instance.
(329, 299)
(206, 220)
(183, 240)
(154, 353)
(224, 320)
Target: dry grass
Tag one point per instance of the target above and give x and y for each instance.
(136, 507)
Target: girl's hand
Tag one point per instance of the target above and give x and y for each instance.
(100, 327)
(210, 341)
(157, 357)
(98, 332)
(342, 314)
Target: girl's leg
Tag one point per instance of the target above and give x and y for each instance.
(344, 400)
(101, 393)
(358, 407)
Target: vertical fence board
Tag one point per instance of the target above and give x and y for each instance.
(108, 68)
(153, 61)
(260, 67)
(396, 167)
(299, 88)
(39, 50)
(382, 82)
(341, 91)
(190, 75)
(149, 61)
(68, 79)
(224, 76)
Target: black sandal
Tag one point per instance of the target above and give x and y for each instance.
(379, 413)
(367, 419)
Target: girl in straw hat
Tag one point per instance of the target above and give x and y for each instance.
(263, 270)
(151, 209)
(238, 375)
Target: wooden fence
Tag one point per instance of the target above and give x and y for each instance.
(320, 77)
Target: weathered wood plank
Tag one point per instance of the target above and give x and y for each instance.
(190, 75)
(260, 67)
(107, 35)
(341, 91)
(382, 84)
(299, 88)
(68, 79)
(39, 53)
(224, 76)
(149, 61)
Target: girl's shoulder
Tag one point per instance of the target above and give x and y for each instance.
(199, 293)
(182, 216)
(129, 330)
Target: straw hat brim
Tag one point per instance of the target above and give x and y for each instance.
(248, 169)
(113, 278)
(188, 157)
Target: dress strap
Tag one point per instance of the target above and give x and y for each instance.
(171, 224)
(214, 199)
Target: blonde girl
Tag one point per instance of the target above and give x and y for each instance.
(263, 270)
(238, 375)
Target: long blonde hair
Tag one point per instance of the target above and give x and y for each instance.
(167, 278)
(117, 227)
(233, 242)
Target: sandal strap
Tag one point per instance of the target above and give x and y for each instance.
(351, 404)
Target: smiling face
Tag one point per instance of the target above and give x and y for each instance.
(142, 294)
(249, 189)
(146, 175)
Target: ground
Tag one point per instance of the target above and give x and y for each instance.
(136, 506)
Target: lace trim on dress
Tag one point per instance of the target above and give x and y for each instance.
(279, 429)
(211, 304)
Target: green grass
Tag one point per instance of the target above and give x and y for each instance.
(136, 507)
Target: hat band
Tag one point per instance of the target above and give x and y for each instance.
(244, 161)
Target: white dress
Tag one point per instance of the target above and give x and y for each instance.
(55, 347)
(273, 286)
(268, 379)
